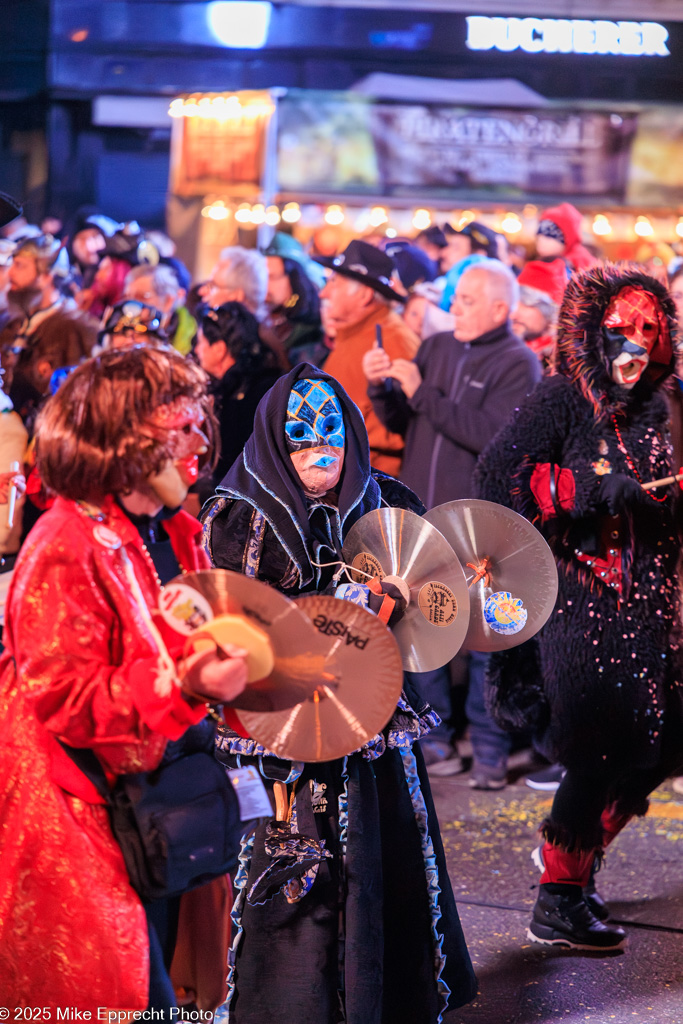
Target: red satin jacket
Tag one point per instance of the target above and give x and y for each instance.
(84, 663)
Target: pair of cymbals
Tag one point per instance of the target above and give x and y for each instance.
(478, 575)
(397, 544)
(511, 571)
(316, 704)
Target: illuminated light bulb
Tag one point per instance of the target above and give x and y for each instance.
(465, 217)
(511, 224)
(176, 108)
(272, 216)
(291, 213)
(334, 215)
(679, 227)
(643, 228)
(243, 214)
(378, 216)
(258, 214)
(190, 107)
(391, 232)
(225, 108)
(422, 219)
(219, 211)
(239, 24)
(601, 225)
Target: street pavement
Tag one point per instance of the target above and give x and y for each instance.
(488, 838)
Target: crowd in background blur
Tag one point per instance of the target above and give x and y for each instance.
(436, 338)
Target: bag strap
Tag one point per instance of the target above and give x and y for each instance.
(87, 762)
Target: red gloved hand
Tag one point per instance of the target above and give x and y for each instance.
(553, 488)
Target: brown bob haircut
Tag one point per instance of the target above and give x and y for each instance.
(93, 436)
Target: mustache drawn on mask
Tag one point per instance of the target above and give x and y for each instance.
(318, 469)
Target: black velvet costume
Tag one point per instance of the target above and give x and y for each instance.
(601, 681)
(375, 937)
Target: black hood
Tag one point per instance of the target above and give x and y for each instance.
(581, 345)
(265, 477)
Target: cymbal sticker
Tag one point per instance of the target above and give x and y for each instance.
(183, 608)
(504, 613)
(366, 563)
(438, 604)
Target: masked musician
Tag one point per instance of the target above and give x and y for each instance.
(602, 680)
(372, 932)
(85, 666)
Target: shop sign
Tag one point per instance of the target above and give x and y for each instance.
(346, 146)
(564, 35)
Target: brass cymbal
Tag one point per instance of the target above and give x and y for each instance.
(299, 651)
(397, 543)
(342, 715)
(516, 595)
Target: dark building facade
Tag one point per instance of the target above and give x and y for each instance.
(69, 53)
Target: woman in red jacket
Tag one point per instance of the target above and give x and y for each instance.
(85, 664)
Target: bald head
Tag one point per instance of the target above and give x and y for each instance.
(486, 294)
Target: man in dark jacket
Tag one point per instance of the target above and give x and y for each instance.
(448, 403)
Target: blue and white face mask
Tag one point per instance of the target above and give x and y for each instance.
(315, 435)
(314, 417)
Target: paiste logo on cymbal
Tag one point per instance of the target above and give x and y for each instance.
(335, 627)
(366, 563)
(437, 603)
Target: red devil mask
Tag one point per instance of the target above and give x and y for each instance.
(636, 335)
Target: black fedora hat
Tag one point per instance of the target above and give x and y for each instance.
(9, 209)
(366, 264)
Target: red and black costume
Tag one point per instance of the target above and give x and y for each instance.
(601, 681)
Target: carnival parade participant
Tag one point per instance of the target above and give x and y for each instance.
(375, 936)
(85, 670)
(574, 461)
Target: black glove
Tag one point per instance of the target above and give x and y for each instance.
(376, 601)
(619, 491)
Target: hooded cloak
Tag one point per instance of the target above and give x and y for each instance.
(265, 479)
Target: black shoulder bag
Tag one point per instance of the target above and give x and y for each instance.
(179, 825)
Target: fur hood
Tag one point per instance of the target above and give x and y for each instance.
(580, 354)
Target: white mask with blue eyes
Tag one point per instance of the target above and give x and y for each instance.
(315, 435)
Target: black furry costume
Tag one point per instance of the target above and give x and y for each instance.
(601, 680)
